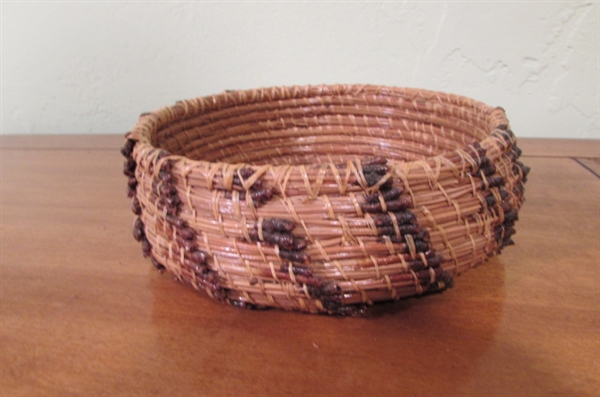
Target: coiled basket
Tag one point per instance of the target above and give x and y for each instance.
(323, 199)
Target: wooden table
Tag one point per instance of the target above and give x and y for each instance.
(83, 314)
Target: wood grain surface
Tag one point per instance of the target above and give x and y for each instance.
(83, 314)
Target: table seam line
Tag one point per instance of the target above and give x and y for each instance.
(582, 164)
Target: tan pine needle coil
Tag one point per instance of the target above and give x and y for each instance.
(323, 199)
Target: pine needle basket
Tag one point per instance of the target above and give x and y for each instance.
(323, 199)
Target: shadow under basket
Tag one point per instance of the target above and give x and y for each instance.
(323, 199)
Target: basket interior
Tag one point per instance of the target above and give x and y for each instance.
(323, 128)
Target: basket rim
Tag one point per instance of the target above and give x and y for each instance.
(498, 133)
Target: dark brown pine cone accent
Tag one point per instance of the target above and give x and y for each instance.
(390, 211)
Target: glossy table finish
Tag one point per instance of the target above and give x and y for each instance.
(83, 314)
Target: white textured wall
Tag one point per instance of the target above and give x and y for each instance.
(92, 67)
